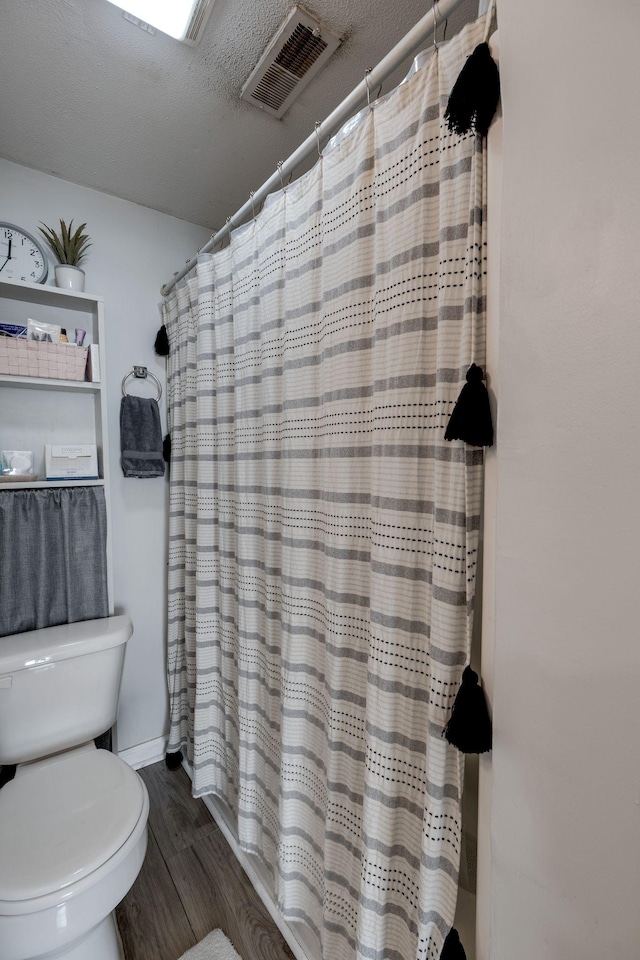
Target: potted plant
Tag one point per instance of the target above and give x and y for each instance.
(69, 247)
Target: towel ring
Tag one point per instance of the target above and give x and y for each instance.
(141, 373)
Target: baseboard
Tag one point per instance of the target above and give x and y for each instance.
(144, 754)
(294, 935)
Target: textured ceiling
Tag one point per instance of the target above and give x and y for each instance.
(89, 97)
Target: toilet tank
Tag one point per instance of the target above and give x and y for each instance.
(59, 686)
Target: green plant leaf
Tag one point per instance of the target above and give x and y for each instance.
(68, 246)
(65, 238)
(54, 242)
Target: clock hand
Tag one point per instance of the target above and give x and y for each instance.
(8, 256)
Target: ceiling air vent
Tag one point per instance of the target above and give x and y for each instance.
(198, 21)
(299, 50)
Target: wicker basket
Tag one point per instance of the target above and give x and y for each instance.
(30, 358)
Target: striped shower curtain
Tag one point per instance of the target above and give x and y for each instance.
(323, 534)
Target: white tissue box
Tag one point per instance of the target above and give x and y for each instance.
(71, 461)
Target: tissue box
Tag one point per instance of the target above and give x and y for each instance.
(77, 461)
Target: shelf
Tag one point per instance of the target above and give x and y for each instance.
(38, 410)
(42, 294)
(41, 484)
(42, 383)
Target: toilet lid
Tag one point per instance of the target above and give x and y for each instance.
(64, 818)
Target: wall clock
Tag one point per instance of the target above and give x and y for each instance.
(22, 257)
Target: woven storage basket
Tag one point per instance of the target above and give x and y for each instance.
(30, 358)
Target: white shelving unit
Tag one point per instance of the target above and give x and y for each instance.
(36, 411)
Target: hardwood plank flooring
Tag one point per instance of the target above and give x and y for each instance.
(151, 918)
(235, 908)
(191, 883)
(177, 820)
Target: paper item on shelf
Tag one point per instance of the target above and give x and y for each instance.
(13, 330)
(77, 461)
(93, 363)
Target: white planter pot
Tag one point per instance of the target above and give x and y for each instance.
(71, 278)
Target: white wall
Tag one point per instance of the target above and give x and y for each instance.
(134, 251)
(565, 859)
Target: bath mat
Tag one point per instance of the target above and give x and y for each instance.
(215, 946)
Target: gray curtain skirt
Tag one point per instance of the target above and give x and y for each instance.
(53, 562)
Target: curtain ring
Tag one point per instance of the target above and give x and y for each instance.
(366, 80)
(434, 10)
(279, 166)
(253, 209)
(318, 125)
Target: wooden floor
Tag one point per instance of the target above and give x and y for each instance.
(191, 883)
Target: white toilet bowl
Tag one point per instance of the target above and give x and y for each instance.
(73, 835)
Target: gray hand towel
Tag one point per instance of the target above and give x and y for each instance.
(140, 438)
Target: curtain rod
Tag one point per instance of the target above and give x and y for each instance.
(403, 49)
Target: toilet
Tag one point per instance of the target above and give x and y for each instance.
(73, 821)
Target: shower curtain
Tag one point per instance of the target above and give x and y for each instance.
(323, 534)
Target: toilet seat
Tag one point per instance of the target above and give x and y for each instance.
(61, 821)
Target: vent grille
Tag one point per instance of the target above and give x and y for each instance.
(301, 51)
(198, 21)
(298, 51)
(275, 87)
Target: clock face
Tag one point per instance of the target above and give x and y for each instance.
(22, 257)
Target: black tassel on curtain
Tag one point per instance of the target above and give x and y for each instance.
(161, 345)
(471, 417)
(173, 760)
(469, 727)
(452, 948)
(474, 98)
